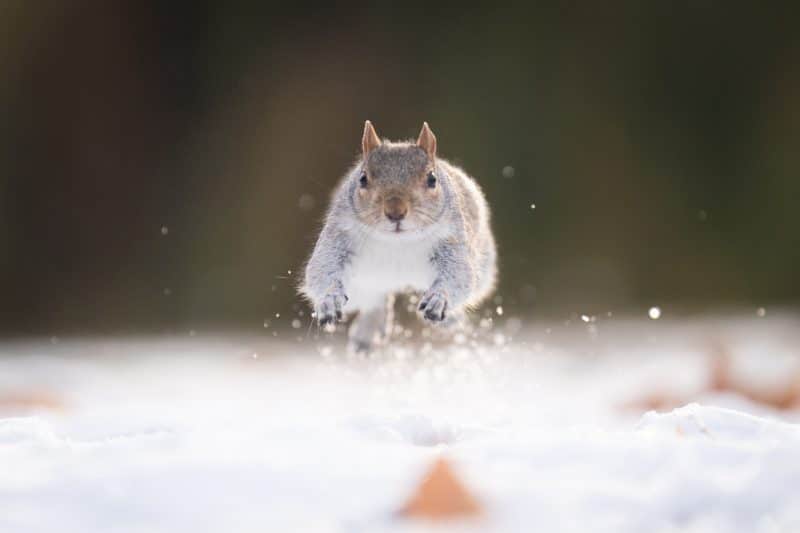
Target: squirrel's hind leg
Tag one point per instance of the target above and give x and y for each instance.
(372, 326)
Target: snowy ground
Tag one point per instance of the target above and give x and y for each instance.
(258, 434)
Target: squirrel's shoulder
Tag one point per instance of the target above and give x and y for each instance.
(468, 194)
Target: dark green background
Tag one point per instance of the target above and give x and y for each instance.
(658, 140)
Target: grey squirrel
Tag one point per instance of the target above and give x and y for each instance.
(402, 219)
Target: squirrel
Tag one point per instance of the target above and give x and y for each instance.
(402, 219)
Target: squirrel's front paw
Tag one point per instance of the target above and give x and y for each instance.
(329, 311)
(433, 305)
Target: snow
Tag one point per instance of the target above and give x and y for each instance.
(197, 434)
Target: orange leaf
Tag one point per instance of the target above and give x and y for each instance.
(441, 495)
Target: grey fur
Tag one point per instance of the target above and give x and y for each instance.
(454, 219)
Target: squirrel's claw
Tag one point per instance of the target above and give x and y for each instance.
(433, 305)
(330, 309)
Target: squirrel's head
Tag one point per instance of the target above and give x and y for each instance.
(398, 187)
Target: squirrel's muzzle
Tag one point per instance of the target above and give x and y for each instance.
(395, 208)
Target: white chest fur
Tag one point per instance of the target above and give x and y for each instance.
(381, 266)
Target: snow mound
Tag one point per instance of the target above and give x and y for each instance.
(26, 431)
(719, 424)
(415, 428)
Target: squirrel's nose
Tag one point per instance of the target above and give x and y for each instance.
(395, 209)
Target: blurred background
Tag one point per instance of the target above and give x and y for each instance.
(165, 166)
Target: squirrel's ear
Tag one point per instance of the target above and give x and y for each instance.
(370, 139)
(427, 140)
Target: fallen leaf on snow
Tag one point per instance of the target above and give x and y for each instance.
(440, 496)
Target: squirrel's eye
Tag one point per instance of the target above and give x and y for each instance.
(431, 180)
(363, 180)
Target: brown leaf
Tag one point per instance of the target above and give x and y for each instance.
(25, 402)
(781, 396)
(440, 496)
